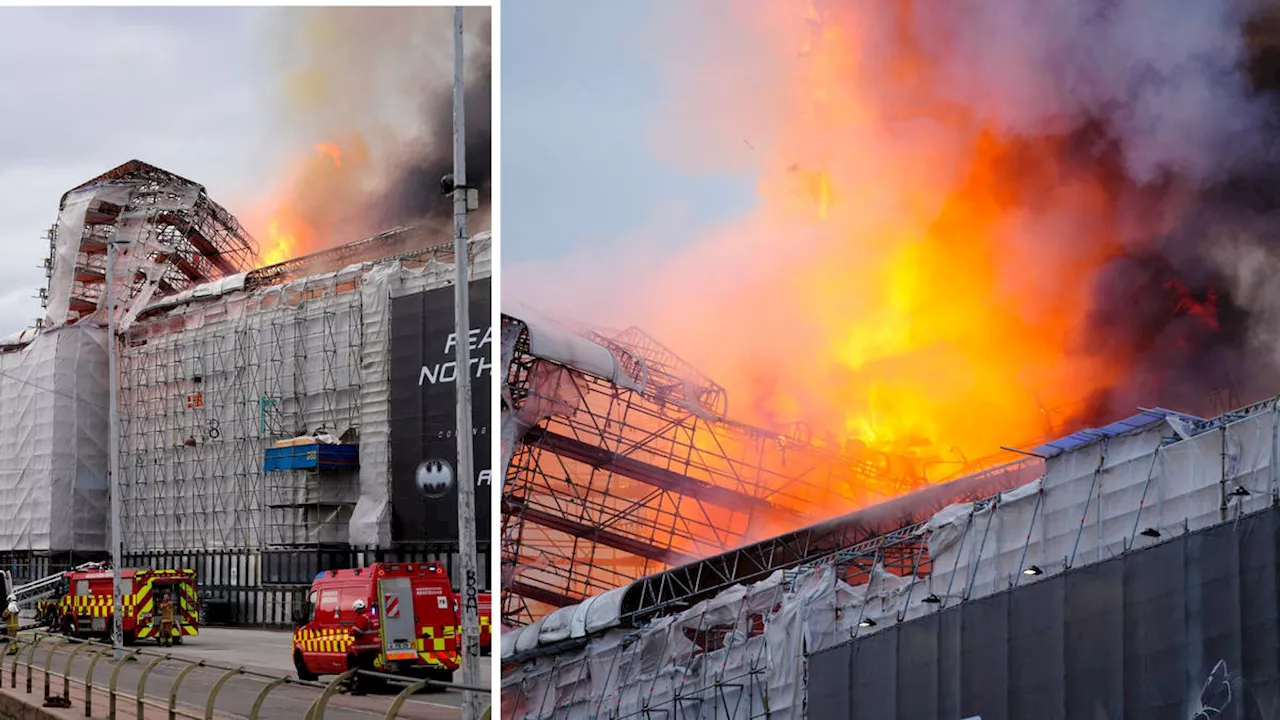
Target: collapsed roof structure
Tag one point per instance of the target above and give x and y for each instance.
(621, 462)
(171, 237)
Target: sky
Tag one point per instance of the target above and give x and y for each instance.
(86, 89)
(196, 91)
(582, 94)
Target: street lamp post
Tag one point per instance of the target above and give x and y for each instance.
(466, 477)
(113, 454)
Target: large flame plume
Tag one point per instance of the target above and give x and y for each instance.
(365, 94)
(977, 224)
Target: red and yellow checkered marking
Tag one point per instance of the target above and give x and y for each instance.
(328, 640)
(186, 614)
(438, 645)
(139, 607)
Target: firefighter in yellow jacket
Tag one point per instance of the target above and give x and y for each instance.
(11, 618)
(166, 622)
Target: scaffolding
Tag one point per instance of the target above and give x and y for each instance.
(171, 234)
(620, 462)
(744, 650)
(209, 381)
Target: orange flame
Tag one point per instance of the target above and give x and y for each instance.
(333, 151)
(911, 277)
(291, 224)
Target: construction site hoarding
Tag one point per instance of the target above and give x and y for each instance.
(53, 428)
(424, 452)
(1185, 629)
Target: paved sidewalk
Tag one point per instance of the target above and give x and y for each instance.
(261, 651)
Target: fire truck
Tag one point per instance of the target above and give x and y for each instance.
(485, 602)
(84, 603)
(412, 620)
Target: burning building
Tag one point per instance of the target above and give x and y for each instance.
(272, 420)
(620, 461)
(974, 225)
(1124, 571)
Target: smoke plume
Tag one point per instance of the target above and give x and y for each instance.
(978, 223)
(368, 92)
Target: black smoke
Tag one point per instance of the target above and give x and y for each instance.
(413, 193)
(1192, 313)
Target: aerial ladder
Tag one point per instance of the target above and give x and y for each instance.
(33, 592)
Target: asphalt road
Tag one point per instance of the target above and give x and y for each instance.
(261, 651)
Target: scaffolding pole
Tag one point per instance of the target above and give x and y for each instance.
(113, 454)
(465, 478)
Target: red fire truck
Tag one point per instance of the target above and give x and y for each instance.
(84, 608)
(485, 601)
(412, 621)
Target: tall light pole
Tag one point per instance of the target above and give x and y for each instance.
(113, 453)
(466, 477)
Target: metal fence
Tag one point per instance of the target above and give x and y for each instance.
(72, 674)
(251, 588)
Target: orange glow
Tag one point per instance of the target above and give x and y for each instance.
(279, 245)
(332, 151)
(312, 210)
(911, 278)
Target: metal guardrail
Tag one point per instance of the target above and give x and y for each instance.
(24, 651)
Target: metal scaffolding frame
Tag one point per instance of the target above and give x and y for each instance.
(209, 382)
(194, 239)
(617, 483)
(409, 244)
(887, 533)
(206, 387)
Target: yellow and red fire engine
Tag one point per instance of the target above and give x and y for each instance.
(485, 602)
(84, 607)
(410, 616)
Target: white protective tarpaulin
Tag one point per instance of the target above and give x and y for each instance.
(1095, 502)
(53, 431)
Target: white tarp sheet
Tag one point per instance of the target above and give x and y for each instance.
(1093, 503)
(305, 357)
(53, 428)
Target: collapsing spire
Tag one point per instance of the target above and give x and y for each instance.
(169, 233)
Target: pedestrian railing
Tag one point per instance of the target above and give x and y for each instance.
(54, 657)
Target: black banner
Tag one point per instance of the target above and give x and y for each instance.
(424, 453)
(1185, 630)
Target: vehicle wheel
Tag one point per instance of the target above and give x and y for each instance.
(177, 639)
(130, 638)
(301, 668)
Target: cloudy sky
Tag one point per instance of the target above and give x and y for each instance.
(88, 89)
(582, 94)
(231, 98)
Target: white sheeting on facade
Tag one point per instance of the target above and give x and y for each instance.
(549, 340)
(305, 357)
(53, 428)
(136, 240)
(1119, 487)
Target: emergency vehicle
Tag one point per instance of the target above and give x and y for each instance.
(412, 621)
(485, 602)
(85, 605)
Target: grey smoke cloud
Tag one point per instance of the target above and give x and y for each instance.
(1164, 74)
